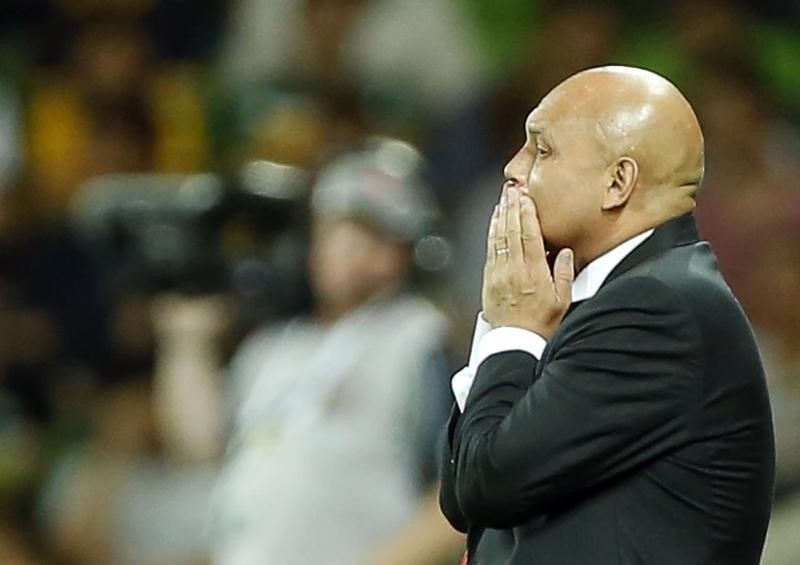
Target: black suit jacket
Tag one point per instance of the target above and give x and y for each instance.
(643, 435)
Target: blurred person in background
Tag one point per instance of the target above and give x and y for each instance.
(120, 498)
(110, 106)
(304, 127)
(415, 58)
(333, 416)
(121, 495)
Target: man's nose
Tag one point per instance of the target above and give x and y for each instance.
(514, 171)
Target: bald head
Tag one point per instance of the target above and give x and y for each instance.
(636, 113)
(609, 153)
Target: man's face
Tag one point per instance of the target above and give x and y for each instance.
(561, 166)
(349, 262)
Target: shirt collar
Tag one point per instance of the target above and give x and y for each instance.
(591, 278)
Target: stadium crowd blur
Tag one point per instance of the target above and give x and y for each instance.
(172, 269)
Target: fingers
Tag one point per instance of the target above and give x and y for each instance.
(563, 275)
(501, 234)
(514, 227)
(491, 239)
(532, 241)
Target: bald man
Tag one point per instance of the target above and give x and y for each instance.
(619, 416)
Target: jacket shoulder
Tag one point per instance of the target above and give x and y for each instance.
(689, 278)
(689, 273)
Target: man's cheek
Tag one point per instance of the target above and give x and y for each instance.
(538, 192)
(534, 177)
(538, 184)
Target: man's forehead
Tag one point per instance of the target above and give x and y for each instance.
(536, 120)
(544, 118)
(555, 112)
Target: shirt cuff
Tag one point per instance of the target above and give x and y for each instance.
(462, 380)
(506, 338)
(486, 342)
(482, 327)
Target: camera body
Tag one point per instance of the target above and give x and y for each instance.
(200, 233)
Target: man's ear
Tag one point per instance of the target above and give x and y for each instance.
(623, 175)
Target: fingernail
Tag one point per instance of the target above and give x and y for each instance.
(568, 256)
(512, 192)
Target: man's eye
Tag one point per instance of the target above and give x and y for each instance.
(541, 152)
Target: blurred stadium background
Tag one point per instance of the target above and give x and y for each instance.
(156, 164)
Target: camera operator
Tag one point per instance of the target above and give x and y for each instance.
(333, 416)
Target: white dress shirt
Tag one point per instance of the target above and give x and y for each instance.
(487, 341)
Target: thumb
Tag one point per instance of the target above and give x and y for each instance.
(563, 275)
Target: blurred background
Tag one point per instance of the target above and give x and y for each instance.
(241, 244)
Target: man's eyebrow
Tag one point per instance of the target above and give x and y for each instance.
(534, 129)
